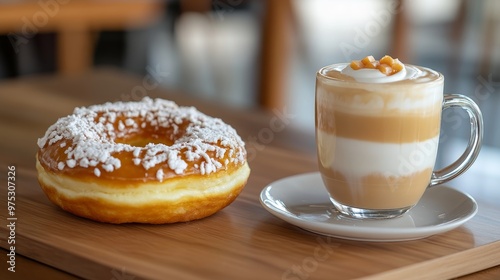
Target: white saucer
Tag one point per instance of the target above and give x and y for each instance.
(302, 200)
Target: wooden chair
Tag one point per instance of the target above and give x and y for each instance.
(74, 21)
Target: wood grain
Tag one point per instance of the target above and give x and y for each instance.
(242, 241)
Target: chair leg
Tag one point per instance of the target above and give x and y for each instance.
(75, 51)
(401, 48)
(276, 51)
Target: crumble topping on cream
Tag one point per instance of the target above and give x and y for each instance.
(369, 70)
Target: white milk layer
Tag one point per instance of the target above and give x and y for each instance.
(379, 102)
(357, 158)
(383, 100)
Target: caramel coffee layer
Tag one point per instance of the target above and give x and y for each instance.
(376, 191)
(403, 128)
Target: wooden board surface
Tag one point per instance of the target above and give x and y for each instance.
(242, 241)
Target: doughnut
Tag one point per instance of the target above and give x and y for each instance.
(149, 161)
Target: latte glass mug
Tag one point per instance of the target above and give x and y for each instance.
(377, 142)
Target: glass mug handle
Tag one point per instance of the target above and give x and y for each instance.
(475, 141)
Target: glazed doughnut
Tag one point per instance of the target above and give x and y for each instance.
(146, 162)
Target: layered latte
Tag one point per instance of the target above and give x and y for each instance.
(377, 132)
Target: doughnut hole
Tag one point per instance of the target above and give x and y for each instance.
(143, 139)
(145, 134)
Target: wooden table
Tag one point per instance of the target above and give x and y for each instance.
(243, 241)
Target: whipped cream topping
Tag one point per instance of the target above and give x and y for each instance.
(366, 75)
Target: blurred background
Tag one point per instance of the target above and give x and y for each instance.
(257, 53)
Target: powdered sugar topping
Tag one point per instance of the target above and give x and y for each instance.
(89, 138)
